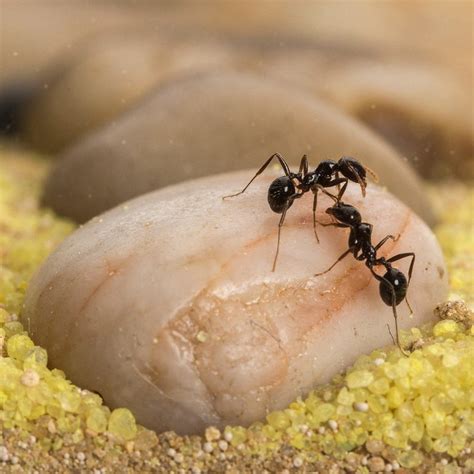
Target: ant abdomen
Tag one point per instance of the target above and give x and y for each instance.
(279, 192)
(399, 284)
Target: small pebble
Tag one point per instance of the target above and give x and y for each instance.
(376, 464)
(379, 361)
(444, 462)
(228, 436)
(297, 461)
(333, 424)
(171, 452)
(223, 445)
(374, 446)
(361, 406)
(179, 458)
(4, 454)
(30, 378)
(212, 434)
(207, 447)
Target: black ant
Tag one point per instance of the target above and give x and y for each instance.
(393, 285)
(284, 190)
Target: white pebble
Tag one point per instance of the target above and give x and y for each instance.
(297, 461)
(395, 465)
(388, 467)
(171, 452)
(361, 406)
(321, 430)
(223, 445)
(228, 436)
(30, 378)
(207, 447)
(304, 428)
(81, 457)
(195, 470)
(379, 361)
(333, 424)
(444, 462)
(4, 455)
(179, 458)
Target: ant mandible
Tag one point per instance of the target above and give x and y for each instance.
(283, 191)
(393, 285)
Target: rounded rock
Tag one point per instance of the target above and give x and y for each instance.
(119, 304)
(213, 124)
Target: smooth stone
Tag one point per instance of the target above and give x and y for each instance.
(167, 304)
(420, 108)
(212, 124)
(105, 79)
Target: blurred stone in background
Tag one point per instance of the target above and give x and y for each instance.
(212, 124)
(405, 69)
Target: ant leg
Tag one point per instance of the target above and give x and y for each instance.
(347, 252)
(342, 190)
(335, 182)
(303, 166)
(334, 224)
(404, 255)
(282, 219)
(385, 240)
(280, 224)
(394, 307)
(338, 184)
(283, 164)
(410, 270)
(327, 193)
(315, 204)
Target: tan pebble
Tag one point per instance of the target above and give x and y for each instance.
(208, 448)
(223, 445)
(212, 434)
(376, 464)
(374, 446)
(51, 427)
(297, 461)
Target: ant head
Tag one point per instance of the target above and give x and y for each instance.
(279, 192)
(394, 285)
(345, 213)
(354, 171)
